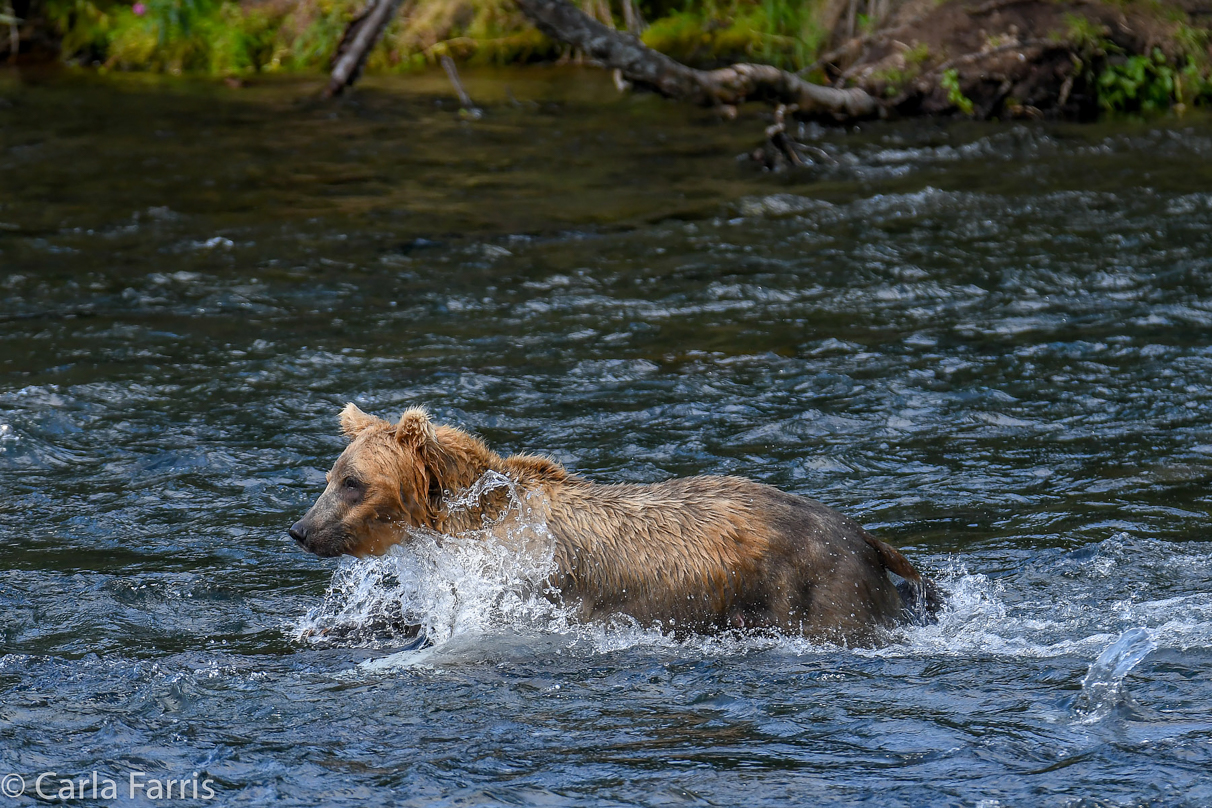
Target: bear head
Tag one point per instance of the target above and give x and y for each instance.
(390, 478)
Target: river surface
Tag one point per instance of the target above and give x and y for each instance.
(991, 344)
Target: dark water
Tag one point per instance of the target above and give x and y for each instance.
(992, 344)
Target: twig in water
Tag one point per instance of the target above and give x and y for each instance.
(468, 107)
(14, 33)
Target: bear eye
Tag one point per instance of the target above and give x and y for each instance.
(351, 483)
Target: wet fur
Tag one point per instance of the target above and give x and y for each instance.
(700, 553)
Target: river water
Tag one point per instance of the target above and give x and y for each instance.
(991, 344)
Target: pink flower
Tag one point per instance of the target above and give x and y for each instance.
(139, 8)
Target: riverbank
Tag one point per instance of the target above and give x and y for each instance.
(1003, 58)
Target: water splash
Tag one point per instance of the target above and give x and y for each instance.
(1103, 686)
(432, 587)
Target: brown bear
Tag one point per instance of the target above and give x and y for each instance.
(697, 554)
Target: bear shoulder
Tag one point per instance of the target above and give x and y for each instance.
(536, 468)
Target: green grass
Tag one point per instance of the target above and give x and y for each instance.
(229, 37)
(778, 32)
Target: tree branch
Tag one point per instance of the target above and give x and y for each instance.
(356, 43)
(724, 87)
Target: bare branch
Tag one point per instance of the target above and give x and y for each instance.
(724, 87)
(452, 73)
(359, 38)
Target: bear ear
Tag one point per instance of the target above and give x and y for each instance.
(415, 429)
(354, 421)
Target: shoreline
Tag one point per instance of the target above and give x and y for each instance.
(1010, 59)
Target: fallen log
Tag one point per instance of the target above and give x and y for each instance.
(725, 87)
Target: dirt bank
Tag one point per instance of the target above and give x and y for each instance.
(1032, 58)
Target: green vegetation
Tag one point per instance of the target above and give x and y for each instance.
(1143, 83)
(225, 37)
(232, 37)
(238, 37)
(1138, 82)
(949, 81)
(779, 32)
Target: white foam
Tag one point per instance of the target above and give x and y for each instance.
(484, 580)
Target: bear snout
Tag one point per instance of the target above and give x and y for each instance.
(324, 541)
(298, 531)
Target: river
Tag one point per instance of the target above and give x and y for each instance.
(989, 343)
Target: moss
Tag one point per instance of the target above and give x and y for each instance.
(695, 39)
